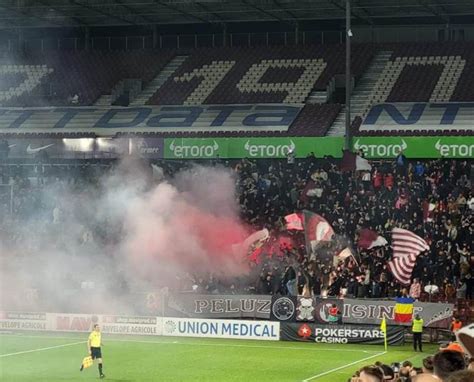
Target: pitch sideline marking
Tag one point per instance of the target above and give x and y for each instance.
(342, 367)
(208, 344)
(235, 345)
(42, 349)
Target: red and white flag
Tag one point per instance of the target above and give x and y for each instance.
(428, 211)
(353, 162)
(294, 221)
(369, 239)
(406, 247)
(252, 245)
(317, 229)
(342, 255)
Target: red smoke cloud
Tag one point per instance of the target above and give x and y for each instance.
(167, 235)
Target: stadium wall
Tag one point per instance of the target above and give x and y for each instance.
(202, 328)
(141, 325)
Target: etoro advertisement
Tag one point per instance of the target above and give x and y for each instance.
(416, 147)
(372, 147)
(459, 147)
(234, 148)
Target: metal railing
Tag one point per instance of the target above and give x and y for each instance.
(186, 41)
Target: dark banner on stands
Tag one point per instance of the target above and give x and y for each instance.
(283, 308)
(322, 310)
(215, 306)
(353, 311)
(300, 309)
(340, 334)
(435, 315)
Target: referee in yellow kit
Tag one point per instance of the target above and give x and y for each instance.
(93, 346)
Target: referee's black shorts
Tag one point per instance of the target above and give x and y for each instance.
(96, 353)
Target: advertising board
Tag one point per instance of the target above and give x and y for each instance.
(341, 334)
(237, 329)
(23, 321)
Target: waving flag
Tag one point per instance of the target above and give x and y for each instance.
(406, 247)
(353, 162)
(252, 246)
(342, 255)
(369, 239)
(294, 221)
(403, 309)
(383, 328)
(317, 230)
(87, 362)
(428, 211)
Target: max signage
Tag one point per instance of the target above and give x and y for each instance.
(108, 121)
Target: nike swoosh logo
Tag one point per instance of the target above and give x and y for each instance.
(30, 150)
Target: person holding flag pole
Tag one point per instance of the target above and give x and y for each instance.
(383, 328)
(94, 344)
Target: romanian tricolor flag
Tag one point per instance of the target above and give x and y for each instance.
(404, 309)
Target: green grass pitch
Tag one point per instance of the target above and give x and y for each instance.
(51, 357)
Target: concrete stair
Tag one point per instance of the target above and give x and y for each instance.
(104, 100)
(153, 86)
(317, 96)
(360, 96)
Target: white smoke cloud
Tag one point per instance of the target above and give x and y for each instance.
(125, 233)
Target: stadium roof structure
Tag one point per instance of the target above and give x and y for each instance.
(83, 13)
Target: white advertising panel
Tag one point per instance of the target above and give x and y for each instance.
(23, 321)
(238, 329)
(146, 326)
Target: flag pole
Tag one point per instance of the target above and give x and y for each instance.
(383, 328)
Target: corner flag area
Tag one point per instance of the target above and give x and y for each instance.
(48, 357)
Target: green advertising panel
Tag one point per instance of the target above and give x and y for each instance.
(373, 147)
(195, 148)
(279, 147)
(416, 147)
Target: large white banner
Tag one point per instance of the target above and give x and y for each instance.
(137, 325)
(67, 322)
(141, 325)
(146, 326)
(24, 321)
(70, 322)
(238, 329)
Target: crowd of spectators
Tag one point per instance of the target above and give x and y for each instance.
(449, 364)
(394, 193)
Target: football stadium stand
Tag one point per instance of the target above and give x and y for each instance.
(257, 75)
(184, 168)
(52, 79)
(413, 80)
